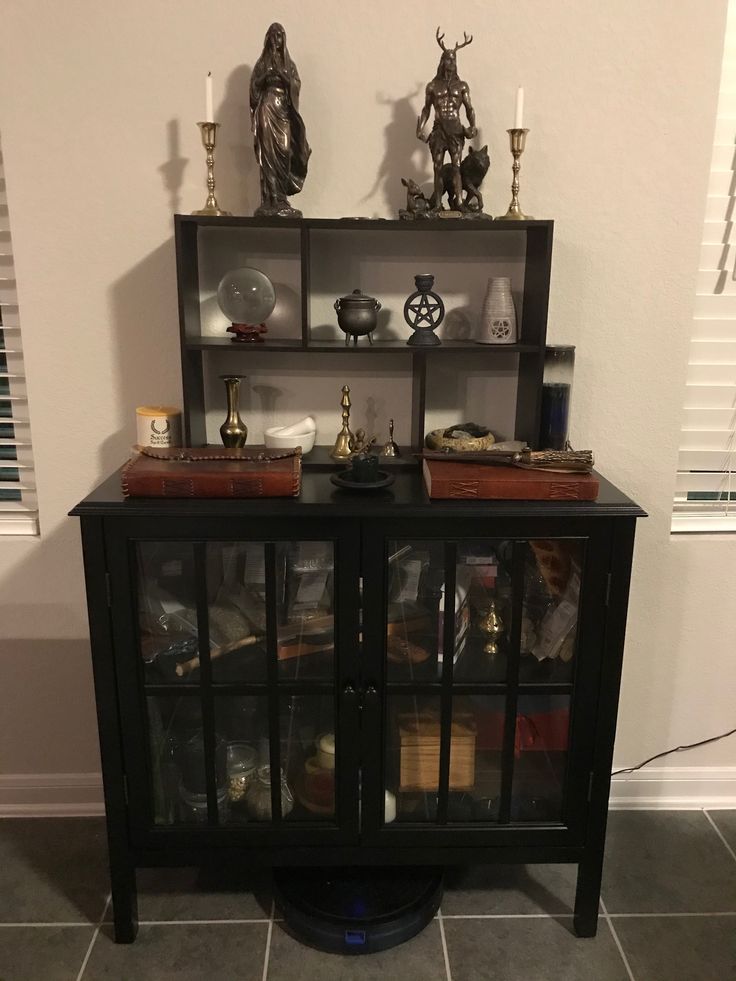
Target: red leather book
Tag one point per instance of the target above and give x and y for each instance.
(214, 472)
(473, 481)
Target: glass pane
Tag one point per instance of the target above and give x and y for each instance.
(176, 745)
(483, 611)
(236, 592)
(241, 723)
(305, 599)
(412, 758)
(416, 577)
(550, 614)
(167, 614)
(542, 733)
(476, 743)
(307, 726)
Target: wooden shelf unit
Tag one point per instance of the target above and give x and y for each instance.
(293, 246)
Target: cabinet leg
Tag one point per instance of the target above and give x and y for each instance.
(124, 902)
(587, 896)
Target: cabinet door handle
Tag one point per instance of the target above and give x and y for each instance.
(371, 691)
(349, 690)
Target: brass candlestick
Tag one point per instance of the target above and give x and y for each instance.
(342, 449)
(209, 140)
(517, 141)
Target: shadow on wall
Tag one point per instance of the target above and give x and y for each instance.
(236, 170)
(143, 307)
(172, 170)
(402, 150)
(724, 272)
(47, 714)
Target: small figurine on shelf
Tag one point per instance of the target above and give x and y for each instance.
(360, 445)
(417, 205)
(279, 135)
(472, 171)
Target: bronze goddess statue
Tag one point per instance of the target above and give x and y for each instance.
(279, 136)
(446, 94)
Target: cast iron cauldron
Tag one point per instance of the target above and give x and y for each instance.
(357, 315)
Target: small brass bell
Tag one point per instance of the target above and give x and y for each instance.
(390, 448)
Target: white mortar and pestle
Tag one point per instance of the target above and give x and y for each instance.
(302, 433)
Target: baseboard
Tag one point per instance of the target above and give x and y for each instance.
(51, 795)
(675, 788)
(654, 788)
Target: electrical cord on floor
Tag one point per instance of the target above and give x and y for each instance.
(677, 749)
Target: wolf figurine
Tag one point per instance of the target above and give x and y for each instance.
(472, 171)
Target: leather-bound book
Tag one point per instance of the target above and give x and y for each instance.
(473, 481)
(214, 472)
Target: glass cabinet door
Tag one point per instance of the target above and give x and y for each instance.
(480, 647)
(237, 653)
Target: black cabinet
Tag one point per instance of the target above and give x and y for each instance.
(342, 681)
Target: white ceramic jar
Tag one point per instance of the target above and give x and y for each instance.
(498, 317)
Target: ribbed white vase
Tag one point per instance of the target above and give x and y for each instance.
(498, 317)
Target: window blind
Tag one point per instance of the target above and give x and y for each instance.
(18, 504)
(705, 490)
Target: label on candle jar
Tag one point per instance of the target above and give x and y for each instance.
(158, 425)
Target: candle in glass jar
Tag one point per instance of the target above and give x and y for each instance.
(518, 118)
(209, 113)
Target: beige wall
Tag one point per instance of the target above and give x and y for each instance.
(97, 108)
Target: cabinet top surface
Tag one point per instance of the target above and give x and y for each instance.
(383, 224)
(320, 498)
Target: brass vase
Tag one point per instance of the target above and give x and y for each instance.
(233, 431)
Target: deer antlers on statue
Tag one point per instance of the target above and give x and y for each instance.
(457, 46)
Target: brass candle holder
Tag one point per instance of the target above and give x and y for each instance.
(209, 141)
(517, 141)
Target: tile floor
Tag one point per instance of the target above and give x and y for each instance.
(669, 914)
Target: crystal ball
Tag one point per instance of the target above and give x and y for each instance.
(246, 296)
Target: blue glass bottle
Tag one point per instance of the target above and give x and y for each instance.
(559, 364)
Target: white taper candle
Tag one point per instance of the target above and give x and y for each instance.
(519, 117)
(209, 114)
